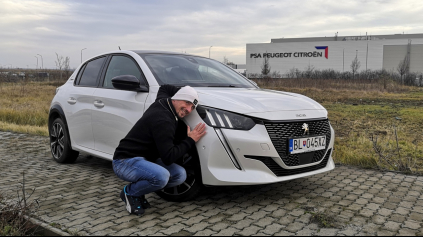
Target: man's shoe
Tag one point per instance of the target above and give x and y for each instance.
(133, 204)
(144, 202)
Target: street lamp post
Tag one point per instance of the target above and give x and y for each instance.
(81, 53)
(42, 61)
(37, 62)
(209, 51)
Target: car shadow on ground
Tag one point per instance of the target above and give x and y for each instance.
(257, 192)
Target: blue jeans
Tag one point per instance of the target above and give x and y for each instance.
(147, 177)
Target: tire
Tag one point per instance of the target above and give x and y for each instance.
(60, 145)
(192, 186)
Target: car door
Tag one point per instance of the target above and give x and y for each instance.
(81, 102)
(116, 111)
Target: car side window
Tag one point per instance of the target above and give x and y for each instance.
(121, 65)
(78, 77)
(91, 71)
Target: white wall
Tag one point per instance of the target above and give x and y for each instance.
(335, 57)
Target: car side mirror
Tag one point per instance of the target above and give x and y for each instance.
(128, 83)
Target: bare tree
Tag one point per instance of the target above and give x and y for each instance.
(67, 67)
(226, 61)
(291, 73)
(265, 68)
(309, 70)
(62, 64)
(355, 65)
(403, 67)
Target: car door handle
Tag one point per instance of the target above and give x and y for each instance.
(72, 101)
(98, 104)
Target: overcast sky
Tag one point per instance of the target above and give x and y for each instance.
(28, 28)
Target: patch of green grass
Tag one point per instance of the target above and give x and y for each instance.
(55, 225)
(357, 126)
(359, 117)
(323, 220)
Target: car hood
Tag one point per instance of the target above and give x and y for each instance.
(256, 102)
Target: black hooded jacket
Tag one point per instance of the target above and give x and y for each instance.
(158, 134)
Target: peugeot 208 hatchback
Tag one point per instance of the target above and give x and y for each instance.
(254, 136)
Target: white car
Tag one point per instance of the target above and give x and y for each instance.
(254, 136)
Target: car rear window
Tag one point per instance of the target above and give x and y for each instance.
(90, 74)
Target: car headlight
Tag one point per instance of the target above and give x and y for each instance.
(223, 119)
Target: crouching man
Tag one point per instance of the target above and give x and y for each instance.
(146, 156)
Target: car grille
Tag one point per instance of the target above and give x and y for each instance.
(280, 132)
(280, 172)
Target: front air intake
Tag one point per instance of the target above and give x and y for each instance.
(281, 172)
(279, 132)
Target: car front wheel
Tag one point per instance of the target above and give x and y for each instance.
(189, 189)
(60, 145)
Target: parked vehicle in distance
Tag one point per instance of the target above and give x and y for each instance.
(254, 136)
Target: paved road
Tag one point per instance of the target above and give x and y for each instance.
(85, 197)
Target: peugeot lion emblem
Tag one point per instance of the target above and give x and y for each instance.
(306, 130)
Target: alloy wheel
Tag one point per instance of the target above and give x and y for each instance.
(189, 182)
(57, 138)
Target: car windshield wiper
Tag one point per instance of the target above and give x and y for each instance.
(222, 86)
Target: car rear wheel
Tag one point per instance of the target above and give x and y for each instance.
(192, 186)
(60, 145)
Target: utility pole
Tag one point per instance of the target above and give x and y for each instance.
(343, 60)
(42, 61)
(81, 53)
(209, 51)
(367, 52)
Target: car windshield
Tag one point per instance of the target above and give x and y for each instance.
(182, 70)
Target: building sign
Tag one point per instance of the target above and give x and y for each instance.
(326, 48)
(313, 54)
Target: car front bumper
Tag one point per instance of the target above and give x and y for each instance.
(234, 157)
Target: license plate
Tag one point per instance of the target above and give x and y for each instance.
(306, 144)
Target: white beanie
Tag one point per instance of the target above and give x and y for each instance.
(187, 93)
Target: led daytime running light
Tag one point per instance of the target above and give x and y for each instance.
(223, 119)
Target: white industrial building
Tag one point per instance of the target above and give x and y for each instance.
(374, 52)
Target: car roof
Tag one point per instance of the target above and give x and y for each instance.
(161, 52)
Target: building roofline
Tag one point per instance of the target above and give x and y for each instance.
(348, 38)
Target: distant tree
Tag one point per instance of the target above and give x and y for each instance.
(309, 70)
(355, 65)
(265, 68)
(226, 61)
(291, 72)
(62, 64)
(66, 67)
(403, 67)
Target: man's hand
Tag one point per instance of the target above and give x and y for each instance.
(198, 132)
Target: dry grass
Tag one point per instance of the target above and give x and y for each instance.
(14, 213)
(360, 116)
(24, 108)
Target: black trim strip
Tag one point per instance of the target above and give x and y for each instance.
(281, 172)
